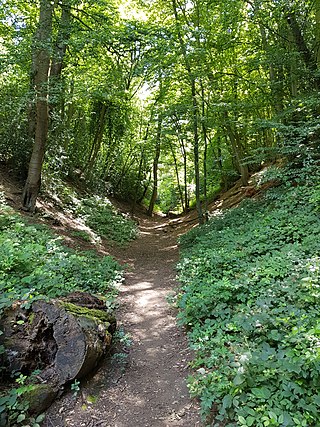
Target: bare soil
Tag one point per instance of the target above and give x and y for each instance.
(142, 384)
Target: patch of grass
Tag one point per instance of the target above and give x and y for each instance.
(250, 298)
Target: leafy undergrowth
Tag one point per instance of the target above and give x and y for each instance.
(102, 217)
(250, 298)
(35, 264)
(96, 212)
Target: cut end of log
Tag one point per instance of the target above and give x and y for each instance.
(63, 339)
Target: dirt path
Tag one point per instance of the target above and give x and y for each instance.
(142, 384)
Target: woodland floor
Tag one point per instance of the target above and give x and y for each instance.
(143, 384)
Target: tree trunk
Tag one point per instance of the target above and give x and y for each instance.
(97, 139)
(129, 161)
(205, 152)
(237, 150)
(63, 339)
(155, 168)
(177, 176)
(61, 42)
(275, 83)
(41, 64)
(195, 114)
(184, 155)
(56, 97)
(309, 59)
(316, 6)
(138, 181)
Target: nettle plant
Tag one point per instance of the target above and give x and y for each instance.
(250, 297)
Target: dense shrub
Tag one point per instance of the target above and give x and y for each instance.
(250, 298)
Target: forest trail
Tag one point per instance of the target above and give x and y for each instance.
(143, 384)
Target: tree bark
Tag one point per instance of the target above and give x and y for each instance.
(237, 150)
(63, 339)
(56, 97)
(195, 114)
(184, 155)
(309, 59)
(41, 71)
(61, 42)
(155, 168)
(276, 85)
(205, 152)
(96, 145)
(142, 155)
(316, 6)
(177, 176)
(138, 181)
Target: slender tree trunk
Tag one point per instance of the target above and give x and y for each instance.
(129, 161)
(309, 59)
(138, 183)
(237, 149)
(184, 156)
(145, 188)
(97, 139)
(316, 6)
(275, 84)
(293, 72)
(41, 64)
(185, 175)
(195, 114)
(155, 168)
(196, 149)
(224, 180)
(57, 98)
(205, 141)
(61, 42)
(177, 176)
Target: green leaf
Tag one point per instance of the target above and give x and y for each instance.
(316, 399)
(227, 401)
(250, 421)
(242, 420)
(12, 399)
(40, 418)
(262, 392)
(238, 379)
(21, 418)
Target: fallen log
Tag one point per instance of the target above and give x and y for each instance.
(62, 340)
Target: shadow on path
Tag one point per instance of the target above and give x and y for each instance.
(144, 384)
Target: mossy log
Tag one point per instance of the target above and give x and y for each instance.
(63, 340)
